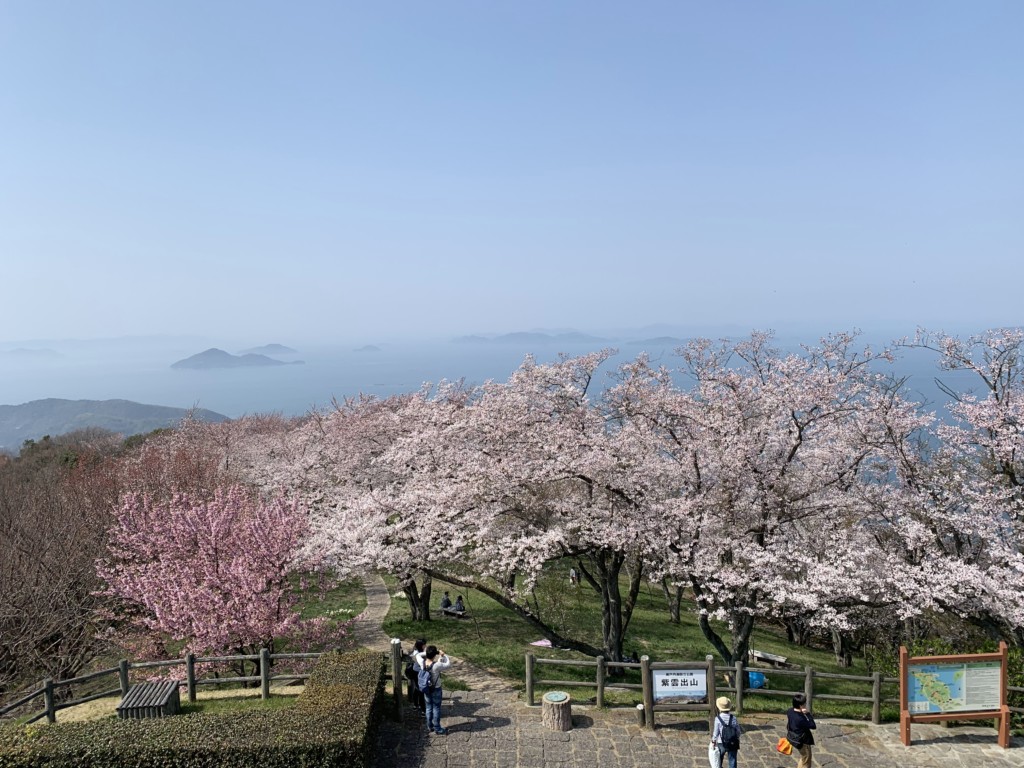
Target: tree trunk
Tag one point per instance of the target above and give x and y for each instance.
(523, 611)
(673, 598)
(842, 645)
(797, 631)
(418, 598)
(742, 621)
(603, 575)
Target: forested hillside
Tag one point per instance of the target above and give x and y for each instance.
(33, 420)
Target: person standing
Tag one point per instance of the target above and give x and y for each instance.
(434, 663)
(799, 724)
(412, 671)
(726, 735)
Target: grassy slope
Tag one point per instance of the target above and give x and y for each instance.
(498, 640)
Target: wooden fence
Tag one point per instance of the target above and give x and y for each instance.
(732, 683)
(48, 688)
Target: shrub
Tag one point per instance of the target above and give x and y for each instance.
(331, 724)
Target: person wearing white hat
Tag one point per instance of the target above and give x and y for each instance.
(726, 735)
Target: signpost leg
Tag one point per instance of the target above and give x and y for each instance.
(648, 690)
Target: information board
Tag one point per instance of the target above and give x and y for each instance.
(970, 686)
(680, 686)
(954, 687)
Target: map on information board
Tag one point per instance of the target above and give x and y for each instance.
(940, 688)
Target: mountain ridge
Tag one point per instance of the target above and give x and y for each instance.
(56, 416)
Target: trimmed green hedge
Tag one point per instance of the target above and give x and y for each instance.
(331, 724)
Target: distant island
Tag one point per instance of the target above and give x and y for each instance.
(369, 348)
(525, 337)
(23, 353)
(53, 416)
(218, 358)
(270, 349)
(661, 341)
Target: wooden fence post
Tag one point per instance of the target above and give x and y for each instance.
(600, 681)
(190, 676)
(809, 686)
(122, 676)
(741, 678)
(51, 711)
(712, 693)
(529, 679)
(264, 673)
(648, 690)
(396, 676)
(876, 697)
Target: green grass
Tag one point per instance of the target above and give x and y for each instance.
(344, 601)
(498, 640)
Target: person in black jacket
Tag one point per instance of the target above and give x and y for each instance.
(799, 724)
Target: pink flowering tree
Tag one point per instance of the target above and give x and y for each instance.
(214, 574)
(485, 488)
(956, 514)
(766, 451)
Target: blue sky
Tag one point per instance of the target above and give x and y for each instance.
(317, 170)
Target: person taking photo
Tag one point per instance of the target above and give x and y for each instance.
(434, 663)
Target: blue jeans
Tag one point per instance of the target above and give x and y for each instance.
(730, 755)
(433, 700)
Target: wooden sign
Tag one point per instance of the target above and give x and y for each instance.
(962, 687)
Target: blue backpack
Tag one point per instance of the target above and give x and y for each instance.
(425, 680)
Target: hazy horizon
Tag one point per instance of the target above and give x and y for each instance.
(806, 334)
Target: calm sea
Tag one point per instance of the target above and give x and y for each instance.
(141, 372)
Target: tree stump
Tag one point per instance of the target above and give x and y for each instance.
(556, 711)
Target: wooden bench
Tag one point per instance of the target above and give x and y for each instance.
(769, 658)
(150, 700)
(453, 614)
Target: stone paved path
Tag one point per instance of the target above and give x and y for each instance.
(489, 727)
(368, 633)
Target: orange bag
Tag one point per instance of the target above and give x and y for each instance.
(784, 746)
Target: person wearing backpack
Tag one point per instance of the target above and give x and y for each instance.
(429, 679)
(799, 724)
(412, 669)
(726, 735)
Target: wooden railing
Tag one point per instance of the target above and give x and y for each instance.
(48, 688)
(732, 675)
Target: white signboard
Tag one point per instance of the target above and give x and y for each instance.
(680, 686)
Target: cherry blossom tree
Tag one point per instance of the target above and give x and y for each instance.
(956, 509)
(485, 487)
(214, 573)
(801, 487)
(766, 451)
